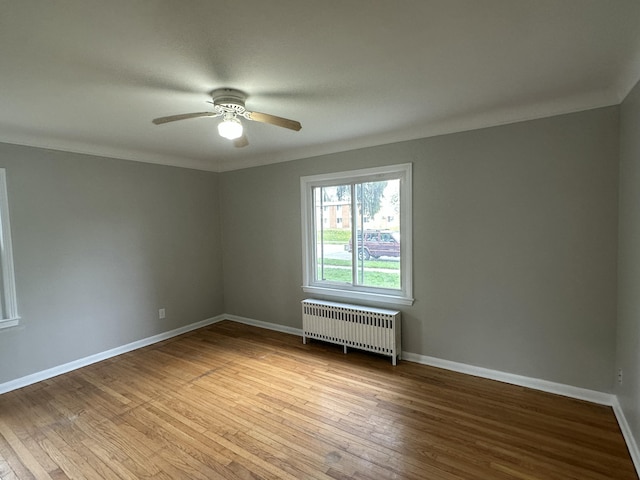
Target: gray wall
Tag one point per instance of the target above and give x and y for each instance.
(101, 244)
(515, 244)
(628, 348)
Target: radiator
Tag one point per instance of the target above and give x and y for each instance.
(364, 328)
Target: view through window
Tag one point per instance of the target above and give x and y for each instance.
(376, 221)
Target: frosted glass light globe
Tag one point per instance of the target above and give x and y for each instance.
(230, 128)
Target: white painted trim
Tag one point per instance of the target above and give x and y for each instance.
(9, 322)
(83, 362)
(632, 446)
(592, 396)
(356, 295)
(401, 172)
(495, 118)
(110, 152)
(535, 383)
(266, 325)
(6, 257)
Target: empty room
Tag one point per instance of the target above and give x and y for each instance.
(320, 240)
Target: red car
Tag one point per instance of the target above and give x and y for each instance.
(377, 243)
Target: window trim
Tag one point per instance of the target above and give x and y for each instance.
(11, 318)
(404, 296)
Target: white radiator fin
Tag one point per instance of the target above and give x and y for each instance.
(365, 328)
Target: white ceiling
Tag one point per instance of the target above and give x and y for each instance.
(90, 75)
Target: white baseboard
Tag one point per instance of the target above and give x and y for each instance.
(566, 390)
(83, 362)
(535, 383)
(632, 446)
(266, 325)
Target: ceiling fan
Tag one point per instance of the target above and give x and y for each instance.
(228, 103)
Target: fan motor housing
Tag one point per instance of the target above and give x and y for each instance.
(229, 99)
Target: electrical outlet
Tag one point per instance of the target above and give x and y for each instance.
(620, 376)
(161, 313)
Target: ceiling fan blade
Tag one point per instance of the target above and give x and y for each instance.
(243, 141)
(273, 120)
(184, 116)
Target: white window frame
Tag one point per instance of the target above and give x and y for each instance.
(10, 317)
(403, 296)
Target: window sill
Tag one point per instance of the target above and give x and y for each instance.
(9, 322)
(356, 295)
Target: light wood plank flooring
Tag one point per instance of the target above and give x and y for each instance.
(232, 401)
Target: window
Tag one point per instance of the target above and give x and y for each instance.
(368, 255)
(8, 304)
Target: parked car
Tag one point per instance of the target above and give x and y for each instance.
(377, 243)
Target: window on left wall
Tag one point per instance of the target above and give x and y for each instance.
(8, 303)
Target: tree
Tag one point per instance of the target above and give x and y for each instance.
(395, 202)
(369, 195)
(343, 192)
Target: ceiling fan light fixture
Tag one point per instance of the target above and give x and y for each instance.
(228, 104)
(230, 128)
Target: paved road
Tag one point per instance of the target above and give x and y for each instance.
(336, 251)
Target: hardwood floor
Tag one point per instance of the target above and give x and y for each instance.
(232, 401)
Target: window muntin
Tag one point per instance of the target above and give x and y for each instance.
(375, 205)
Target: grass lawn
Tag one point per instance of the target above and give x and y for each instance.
(371, 278)
(336, 235)
(386, 264)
